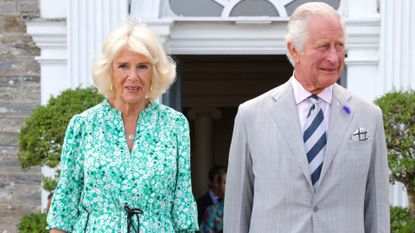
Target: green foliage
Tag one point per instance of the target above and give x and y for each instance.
(399, 119)
(49, 184)
(401, 222)
(32, 223)
(41, 137)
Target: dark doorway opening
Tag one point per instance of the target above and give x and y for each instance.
(211, 89)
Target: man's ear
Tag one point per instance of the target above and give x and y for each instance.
(293, 51)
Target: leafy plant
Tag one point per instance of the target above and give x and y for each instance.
(399, 119)
(50, 183)
(401, 221)
(32, 223)
(41, 137)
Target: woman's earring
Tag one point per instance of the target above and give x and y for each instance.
(111, 87)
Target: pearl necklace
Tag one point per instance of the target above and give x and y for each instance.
(130, 137)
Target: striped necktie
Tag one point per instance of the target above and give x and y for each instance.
(315, 139)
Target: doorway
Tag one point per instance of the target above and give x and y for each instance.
(211, 89)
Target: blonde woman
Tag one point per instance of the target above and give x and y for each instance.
(126, 162)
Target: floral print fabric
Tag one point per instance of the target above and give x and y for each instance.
(100, 176)
(212, 221)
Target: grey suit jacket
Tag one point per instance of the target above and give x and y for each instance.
(268, 182)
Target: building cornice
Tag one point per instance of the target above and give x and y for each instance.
(51, 38)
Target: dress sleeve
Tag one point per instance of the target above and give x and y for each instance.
(64, 208)
(184, 210)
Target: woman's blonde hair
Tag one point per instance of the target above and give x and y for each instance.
(137, 37)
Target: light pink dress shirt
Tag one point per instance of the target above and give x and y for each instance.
(304, 104)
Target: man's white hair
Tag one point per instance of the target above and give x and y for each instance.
(297, 28)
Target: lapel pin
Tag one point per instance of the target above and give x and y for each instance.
(346, 109)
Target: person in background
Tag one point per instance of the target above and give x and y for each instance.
(126, 162)
(212, 221)
(215, 192)
(309, 156)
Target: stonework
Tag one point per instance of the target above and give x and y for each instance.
(19, 95)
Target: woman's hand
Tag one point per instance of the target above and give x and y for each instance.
(56, 231)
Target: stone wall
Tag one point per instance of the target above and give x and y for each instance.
(19, 95)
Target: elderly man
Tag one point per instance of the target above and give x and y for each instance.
(308, 156)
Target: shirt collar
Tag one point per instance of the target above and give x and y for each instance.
(213, 196)
(302, 94)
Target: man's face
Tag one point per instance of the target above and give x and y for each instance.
(321, 62)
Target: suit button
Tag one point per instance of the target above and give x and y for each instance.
(315, 209)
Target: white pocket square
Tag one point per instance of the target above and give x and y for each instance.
(360, 134)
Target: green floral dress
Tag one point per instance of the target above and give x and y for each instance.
(102, 182)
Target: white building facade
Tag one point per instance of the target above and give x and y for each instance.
(380, 55)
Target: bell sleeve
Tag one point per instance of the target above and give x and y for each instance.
(184, 210)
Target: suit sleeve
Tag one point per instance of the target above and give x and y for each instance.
(377, 218)
(240, 180)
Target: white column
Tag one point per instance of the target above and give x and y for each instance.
(50, 37)
(362, 57)
(363, 28)
(88, 24)
(397, 49)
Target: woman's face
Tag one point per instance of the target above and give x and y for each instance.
(131, 77)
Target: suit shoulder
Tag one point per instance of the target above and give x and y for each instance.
(366, 105)
(257, 102)
(359, 103)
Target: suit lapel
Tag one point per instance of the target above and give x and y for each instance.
(340, 121)
(284, 112)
